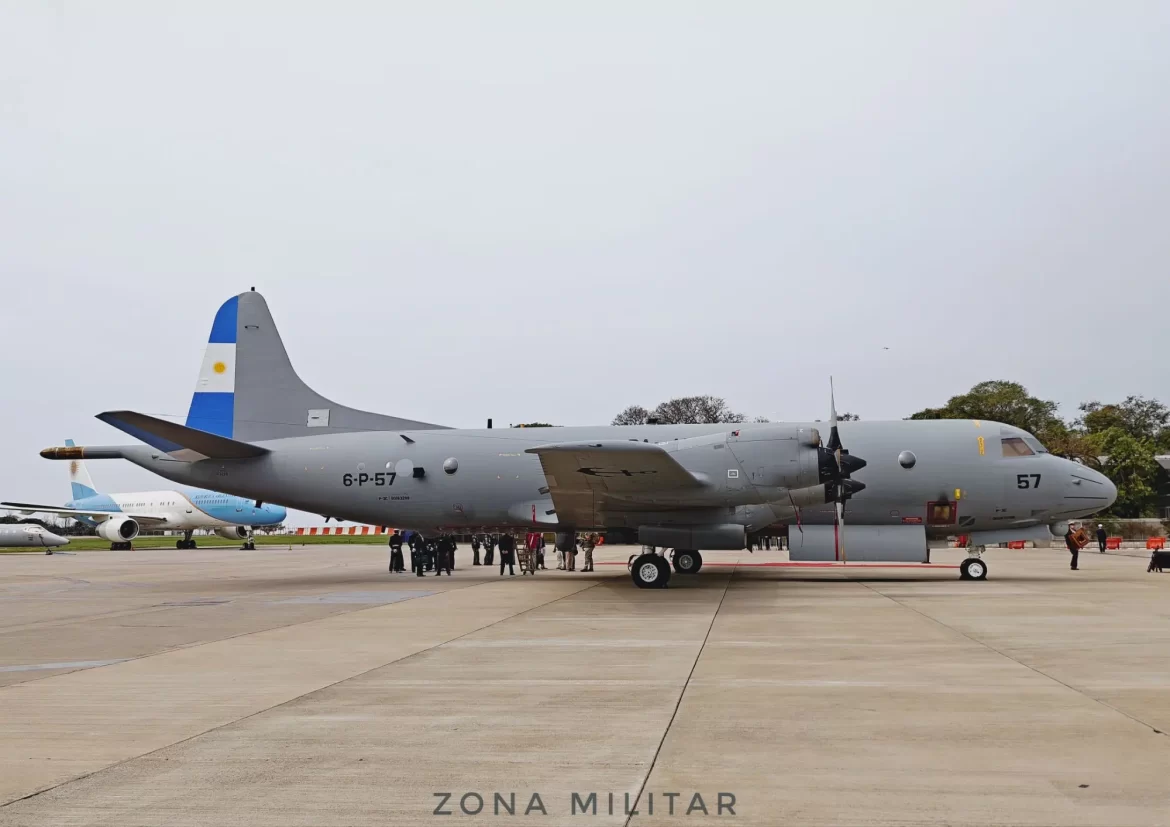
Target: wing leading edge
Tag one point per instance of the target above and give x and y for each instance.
(33, 508)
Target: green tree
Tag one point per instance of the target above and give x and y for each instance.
(695, 410)
(682, 410)
(1141, 418)
(1006, 402)
(1129, 462)
(633, 415)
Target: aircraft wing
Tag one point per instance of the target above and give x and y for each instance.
(32, 508)
(583, 475)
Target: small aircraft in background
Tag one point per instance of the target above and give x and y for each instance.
(120, 517)
(29, 535)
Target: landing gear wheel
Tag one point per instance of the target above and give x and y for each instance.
(650, 571)
(179, 544)
(250, 546)
(687, 561)
(973, 569)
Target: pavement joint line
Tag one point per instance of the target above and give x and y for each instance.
(116, 764)
(678, 703)
(1027, 666)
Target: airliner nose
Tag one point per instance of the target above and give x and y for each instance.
(51, 539)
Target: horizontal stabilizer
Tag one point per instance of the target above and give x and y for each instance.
(179, 441)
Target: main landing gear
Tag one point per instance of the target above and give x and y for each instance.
(120, 546)
(186, 542)
(973, 568)
(687, 561)
(650, 570)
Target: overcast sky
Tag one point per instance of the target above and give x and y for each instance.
(550, 211)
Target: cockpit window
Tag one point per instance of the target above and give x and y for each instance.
(1013, 446)
(1035, 445)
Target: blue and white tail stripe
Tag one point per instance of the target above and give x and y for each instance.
(79, 479)
(214, 403)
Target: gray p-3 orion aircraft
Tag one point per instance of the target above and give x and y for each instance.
(254, 429)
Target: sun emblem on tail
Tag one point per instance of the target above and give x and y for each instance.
(219, 367)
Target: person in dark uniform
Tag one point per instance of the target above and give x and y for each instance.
(396, 565)
(507, 554)
(1073, 548)
(1101, 537)
(475, 549)
(444, 555)
(540, 546)
(489, 549)
(429, 549)
(416, 554)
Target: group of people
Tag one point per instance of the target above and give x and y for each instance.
(437, 554)
(567, 560)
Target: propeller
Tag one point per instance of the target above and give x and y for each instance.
(836, 467)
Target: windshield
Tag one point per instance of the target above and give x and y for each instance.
(1035, 445)
(1014, 446)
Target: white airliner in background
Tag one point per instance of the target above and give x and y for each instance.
(119, 517)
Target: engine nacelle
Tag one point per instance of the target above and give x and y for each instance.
(236, 532)
(118, 529)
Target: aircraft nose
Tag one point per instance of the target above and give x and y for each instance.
(52, 539)
(1110, 488)
(1091, 487)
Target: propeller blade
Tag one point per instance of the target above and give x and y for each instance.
(834, 443)
(850, 463)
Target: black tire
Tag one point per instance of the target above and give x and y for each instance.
(649, 571)
(687, 561)
(973, 568)
(179, 544)
(664, 568)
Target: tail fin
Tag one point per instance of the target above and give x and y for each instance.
(79, 479)
(247, 388)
